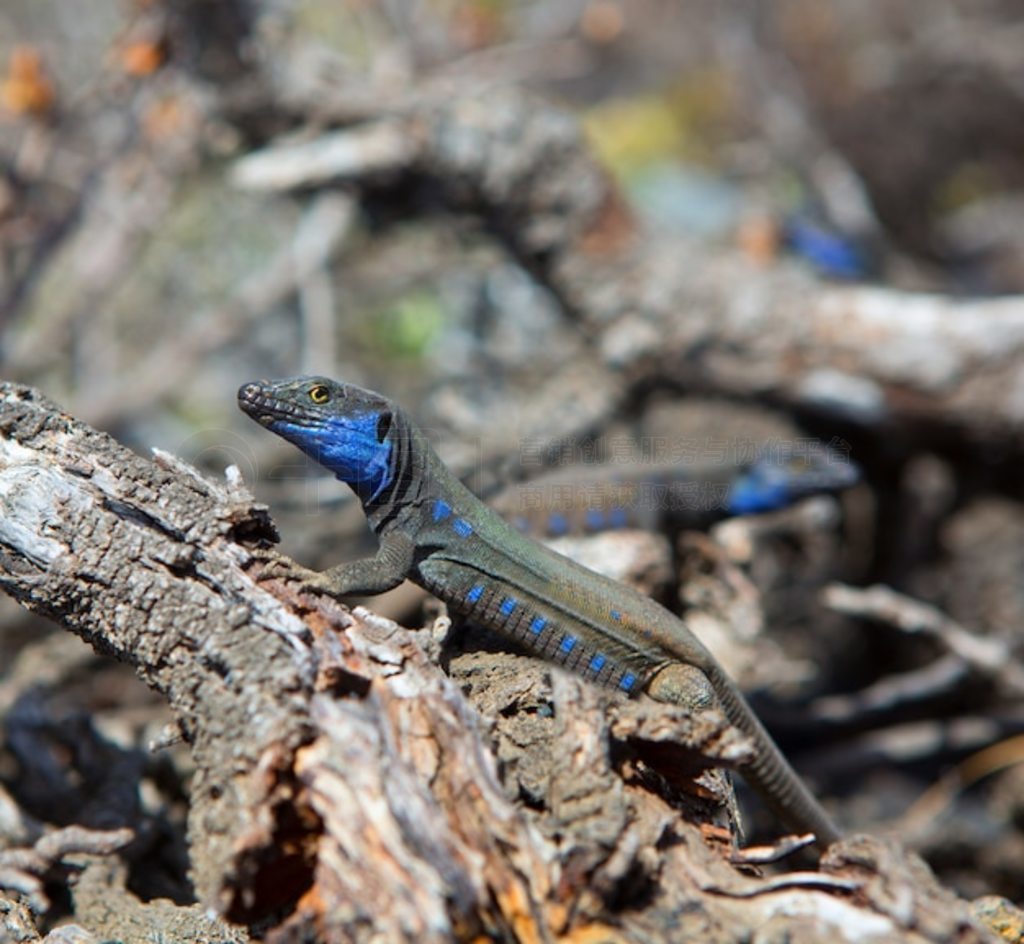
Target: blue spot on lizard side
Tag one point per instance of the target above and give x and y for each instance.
(558, 524)
(618, 518)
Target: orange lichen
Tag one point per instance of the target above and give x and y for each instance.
(758, 238)
(602, 22)
(27, 89)
(166, 118)
(142, 58)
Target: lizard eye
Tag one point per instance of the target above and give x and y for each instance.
(319, 394)
(383, 425)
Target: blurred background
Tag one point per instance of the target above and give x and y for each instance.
(146, 271)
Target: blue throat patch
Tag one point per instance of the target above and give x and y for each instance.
(765, 487)
(348, 446)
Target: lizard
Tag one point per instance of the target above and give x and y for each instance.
(435, 532)
(587, 498)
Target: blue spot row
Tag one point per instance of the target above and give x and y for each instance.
(594, 519)
(539, 623)
(442, 511)
(558, 524)
(615, 615)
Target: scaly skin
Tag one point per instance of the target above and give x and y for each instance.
(435, 532)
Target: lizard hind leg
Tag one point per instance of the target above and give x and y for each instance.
(688, 687)
(683, 685)
(768, 771)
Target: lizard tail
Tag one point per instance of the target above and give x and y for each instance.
(769, 772)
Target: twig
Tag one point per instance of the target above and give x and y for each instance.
(23, 870)
(162, 369)
(919, 741)
(364, 151)
(930, 804)
(889, 694)
(989, 657)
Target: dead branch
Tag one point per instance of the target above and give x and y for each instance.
(989, 658)
(658, 306)
(162, 369)
(23, 870)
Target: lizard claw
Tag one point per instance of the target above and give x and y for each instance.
(283, 569)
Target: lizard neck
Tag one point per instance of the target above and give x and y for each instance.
(412, 466)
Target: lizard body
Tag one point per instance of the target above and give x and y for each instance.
(435, 532)
(588, 498)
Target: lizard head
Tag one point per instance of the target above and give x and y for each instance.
(784, 473)
(341, 426)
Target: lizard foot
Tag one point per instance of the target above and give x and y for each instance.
(287, 570)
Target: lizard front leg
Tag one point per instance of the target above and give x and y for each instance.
(366, 577)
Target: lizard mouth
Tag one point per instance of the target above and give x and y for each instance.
(267, 408)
